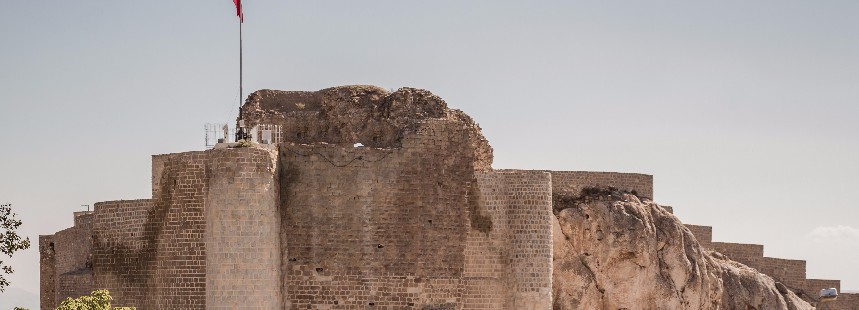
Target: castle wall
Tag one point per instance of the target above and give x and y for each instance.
(47, 273)
(242, 231)
(73, 258)
(791, 272)
(572, 182)
(813, 286)
(510, 267)
(124, 249)
(849, 301)
(748, 254)
(379, 227)
(176, 227)
(75, 284)
(704, 235)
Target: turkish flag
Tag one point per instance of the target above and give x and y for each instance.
(239, 10)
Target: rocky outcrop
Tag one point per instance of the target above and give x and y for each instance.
(364, 114)
(614, 251)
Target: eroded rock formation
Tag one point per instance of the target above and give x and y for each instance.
(364, 114)
(614, 251)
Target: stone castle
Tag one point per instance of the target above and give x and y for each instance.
(415, 218)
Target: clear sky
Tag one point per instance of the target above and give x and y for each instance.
(744, 112)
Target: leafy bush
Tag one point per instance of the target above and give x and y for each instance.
(98, 300)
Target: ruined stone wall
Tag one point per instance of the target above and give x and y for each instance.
(242, 230)
(47, 273)
(572, 182)
(364, 114)
(73, 258)
(124, 250)
(510, 267)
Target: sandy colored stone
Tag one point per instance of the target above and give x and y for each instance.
(617, 252)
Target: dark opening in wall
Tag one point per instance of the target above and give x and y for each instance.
(319, 269)
(372, 304)
(429, 221)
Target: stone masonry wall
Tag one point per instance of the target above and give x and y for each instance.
(572, 182)
(123, 250)
(848, 301)
(242, 230)
(364, 233)
(175, 230)
(73, 258)
(47, 273)
(379, 227)
(704, 235)
(153, 254)
(510, 267)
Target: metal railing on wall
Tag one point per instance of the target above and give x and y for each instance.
(223, 133)
(218, 133)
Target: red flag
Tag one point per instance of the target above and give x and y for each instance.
(239, 10)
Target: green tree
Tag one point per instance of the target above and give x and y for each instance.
(10, 241)
(98, 300)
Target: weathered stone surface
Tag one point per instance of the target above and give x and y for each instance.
(363, 114)
(613, 251)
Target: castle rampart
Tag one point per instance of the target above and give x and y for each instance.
(414, 219)
(790, 272)
(123, 250)
(573, 182)
(242, 230)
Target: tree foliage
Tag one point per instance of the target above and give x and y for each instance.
(98, 300)
(10, 241)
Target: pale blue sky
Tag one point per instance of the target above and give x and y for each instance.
(745, 112)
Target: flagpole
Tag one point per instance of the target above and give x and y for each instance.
(240, 132)
(240, 64)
